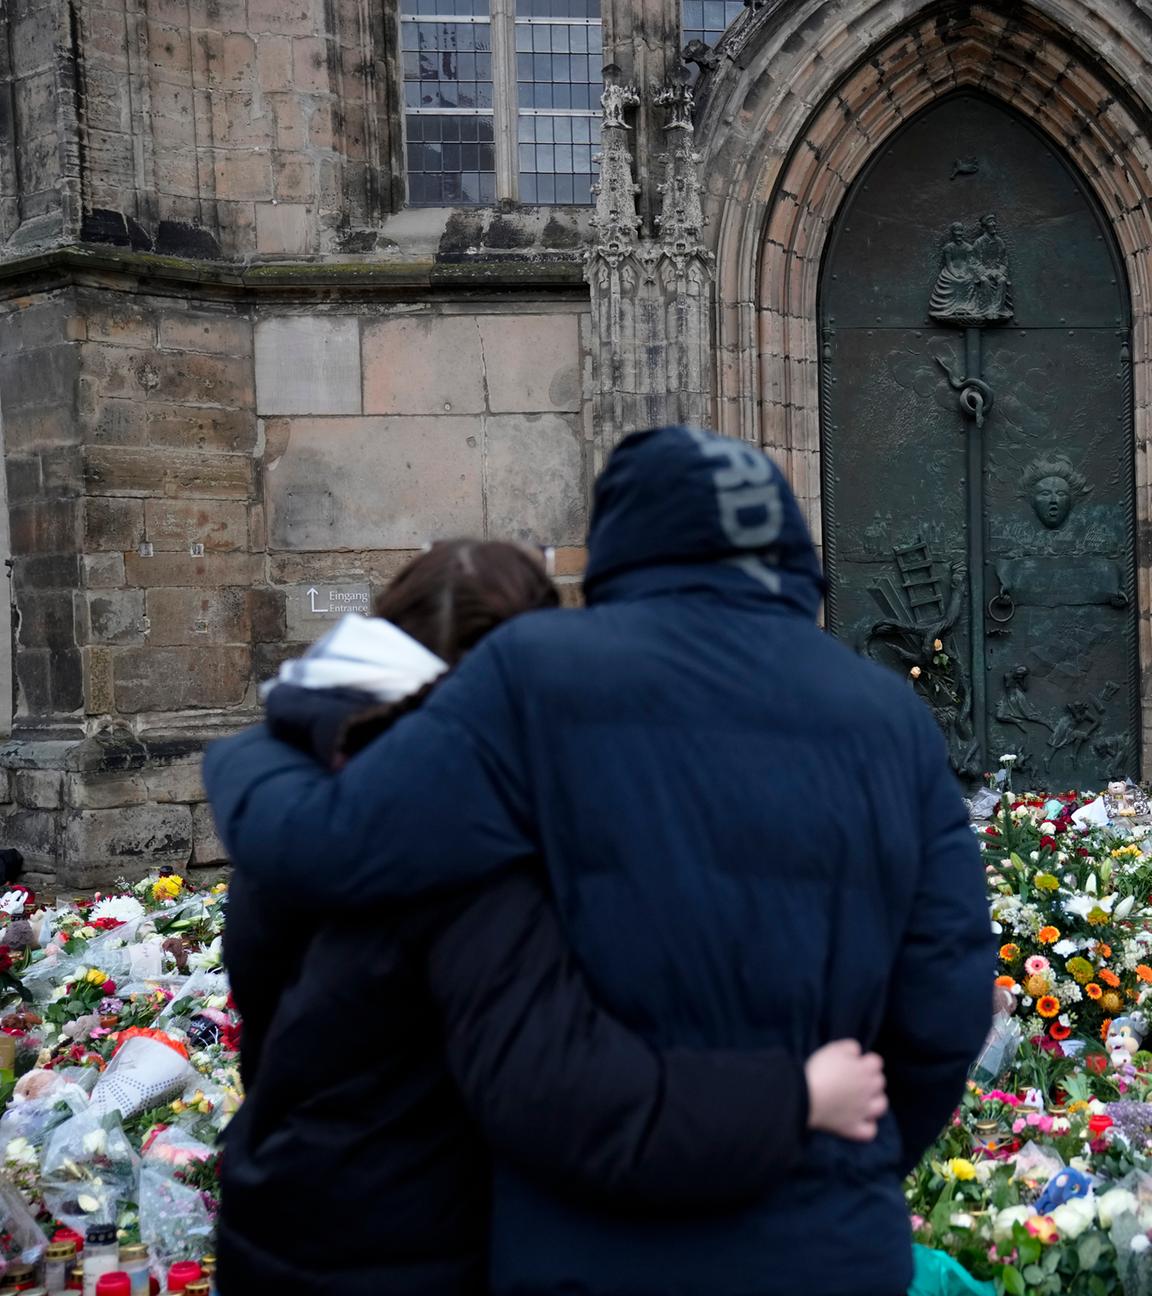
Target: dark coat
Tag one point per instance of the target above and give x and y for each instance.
(376, 1049)
(753, 836)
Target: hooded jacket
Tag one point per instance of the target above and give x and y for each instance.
(381, 1046)
(754, 839)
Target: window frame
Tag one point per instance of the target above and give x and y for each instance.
(502, 21)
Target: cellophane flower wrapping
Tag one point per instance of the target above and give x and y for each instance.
(22, 1241)
(89, 1170)
(175, 1223)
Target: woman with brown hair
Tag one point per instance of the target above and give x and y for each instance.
(388, 1052)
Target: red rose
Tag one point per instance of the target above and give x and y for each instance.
(1048, 843)
(109, 988)
(1097, 1062)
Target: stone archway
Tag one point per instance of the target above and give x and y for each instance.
(803, 104)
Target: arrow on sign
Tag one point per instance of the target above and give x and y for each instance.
(312, 599)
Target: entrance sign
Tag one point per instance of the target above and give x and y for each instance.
(978, 448)
(311, 609)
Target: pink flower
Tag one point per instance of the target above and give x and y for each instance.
(1019, 1125)
(1036, 964)
(917, 1223)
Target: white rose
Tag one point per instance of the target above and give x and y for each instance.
(1073, 1217)
(1002, 1225)
(1115, 1202)
(95, 1142)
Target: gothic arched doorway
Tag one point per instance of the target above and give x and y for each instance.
(978, 480)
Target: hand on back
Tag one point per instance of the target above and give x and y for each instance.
(846, 1090)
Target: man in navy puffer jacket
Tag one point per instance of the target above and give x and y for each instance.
(754, 839)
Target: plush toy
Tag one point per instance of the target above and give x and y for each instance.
(1125, 1036)
(1062, 1187)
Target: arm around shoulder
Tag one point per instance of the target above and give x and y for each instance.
(563, 1090)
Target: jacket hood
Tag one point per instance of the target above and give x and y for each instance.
(717, 510)
(365, 654)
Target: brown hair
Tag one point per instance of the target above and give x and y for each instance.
(448, 599)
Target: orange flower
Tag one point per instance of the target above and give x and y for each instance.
(1109, 977)
(1105, 1027)
(1103, 951)
(1006, 981)
(1010, 953)
(1144, 972)
(1048, 935)
(1092, 990)
(1048, 1005)
(1059, 1032)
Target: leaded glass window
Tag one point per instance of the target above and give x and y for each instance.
(501, 100)
(558, 78)
(707, 20)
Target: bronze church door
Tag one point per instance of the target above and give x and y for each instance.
(977, 444)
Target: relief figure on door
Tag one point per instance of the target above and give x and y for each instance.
(973, 286)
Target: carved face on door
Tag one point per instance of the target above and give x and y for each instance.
(1052, 485)
(977, 474)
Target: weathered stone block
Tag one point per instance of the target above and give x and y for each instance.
(266, 612)
(100, 845)
(244, 175)
(217, 333)
(103, 570)
(110, 616)
(179, 782)
(282, 230)
(105, 791)
(187, 427)
(113, 523)
(39, 789)
(46, 618)
(44, 526)
(123, 470)
(176, 679)
(534, 469)
(376, 483)
(115, 421)
(207, 848)
(99, 696)
(281, 17)
(532, 362)
(36, 834)
(219, 525)
(182, 570)
(308, 365)
(197, 616)
(426, 365)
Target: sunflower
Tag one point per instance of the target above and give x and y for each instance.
(1109, 978)
(1112, 1003)
(1092, 990)
(1048, 1005)
(1079, 969)
(1059, 1032)
(1009, 953)
(1048, 935)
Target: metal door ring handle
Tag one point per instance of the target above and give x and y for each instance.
(999, 601)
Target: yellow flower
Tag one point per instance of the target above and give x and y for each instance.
(959, 1168)
(179, 1107)
(1080, 970)
(1046, 882)
(96, 976)
(167, 888)
(1111, 1002)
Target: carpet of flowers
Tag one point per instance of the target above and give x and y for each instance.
(118, 1067)
(1043, 1181)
